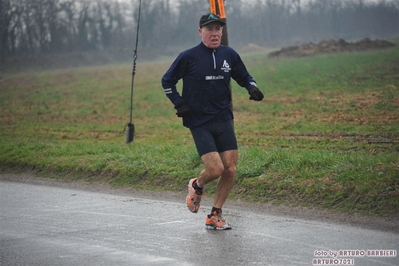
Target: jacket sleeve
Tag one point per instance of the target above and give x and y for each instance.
(169, 80)
(240, 73)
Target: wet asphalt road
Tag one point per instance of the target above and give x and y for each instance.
(42, 225)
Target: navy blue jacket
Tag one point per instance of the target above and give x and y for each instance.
(206, 77)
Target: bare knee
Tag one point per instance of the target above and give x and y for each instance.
(230, 171)
(216, 170)
(229, 159)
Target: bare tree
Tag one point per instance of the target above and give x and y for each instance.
(9, 24)
(59, 26)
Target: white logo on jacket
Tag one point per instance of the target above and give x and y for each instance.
(226, 66)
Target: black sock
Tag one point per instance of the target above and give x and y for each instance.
(218, 210)
(197, 188)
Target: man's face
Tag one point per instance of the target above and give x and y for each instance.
(211, 35)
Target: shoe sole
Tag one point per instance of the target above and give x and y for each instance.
(193, 211)
(212, 227)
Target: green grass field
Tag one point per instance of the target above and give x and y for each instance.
(326, 135)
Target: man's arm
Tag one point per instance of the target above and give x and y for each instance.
(244, 79)
(171, 78)
(176, 72)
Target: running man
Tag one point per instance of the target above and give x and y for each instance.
(205, 108)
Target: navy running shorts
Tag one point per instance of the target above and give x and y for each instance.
(214, 136)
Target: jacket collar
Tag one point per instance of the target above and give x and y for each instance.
(202, 45)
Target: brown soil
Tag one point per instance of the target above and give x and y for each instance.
(330, 46)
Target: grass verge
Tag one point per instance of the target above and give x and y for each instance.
(326, 135)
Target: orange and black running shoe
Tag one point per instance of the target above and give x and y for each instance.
(193, 198)
(216, 221)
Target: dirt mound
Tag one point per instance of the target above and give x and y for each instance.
(330, 46)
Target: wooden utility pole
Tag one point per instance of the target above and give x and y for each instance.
(217, 7)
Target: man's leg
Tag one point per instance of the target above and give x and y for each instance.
(217, 165)
(213, 168)
(226, 181)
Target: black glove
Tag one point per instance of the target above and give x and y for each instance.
(183, 109)
(255, 93)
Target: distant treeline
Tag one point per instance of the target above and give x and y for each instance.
(62, 26)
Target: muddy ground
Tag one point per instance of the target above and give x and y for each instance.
(330, 46)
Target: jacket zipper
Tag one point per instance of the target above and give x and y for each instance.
(214, 60)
